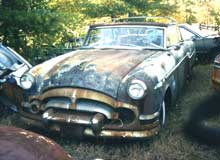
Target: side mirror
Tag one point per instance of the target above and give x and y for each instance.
(177, 47)
(193, 38)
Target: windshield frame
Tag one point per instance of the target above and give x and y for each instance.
(85, 44)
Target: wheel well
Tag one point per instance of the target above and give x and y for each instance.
(168, 97)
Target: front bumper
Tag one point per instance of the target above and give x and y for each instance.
(148, 132)
(109, 118)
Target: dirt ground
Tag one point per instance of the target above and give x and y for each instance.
(171, 144)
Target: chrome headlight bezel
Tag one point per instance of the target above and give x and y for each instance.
(27, 81)
(136, 89)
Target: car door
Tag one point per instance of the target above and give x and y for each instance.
(179, 49)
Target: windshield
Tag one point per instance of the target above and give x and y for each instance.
(130, 37)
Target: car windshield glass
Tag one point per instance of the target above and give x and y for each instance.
(130, 37)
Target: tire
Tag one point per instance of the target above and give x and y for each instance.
(162, 119)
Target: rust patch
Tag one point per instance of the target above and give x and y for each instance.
(13, 92)
(216, 75)
(118, 62)
(98, 69)
(125, 134)
(43, 68)
(19, 144)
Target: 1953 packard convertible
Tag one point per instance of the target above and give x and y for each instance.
(117, 85)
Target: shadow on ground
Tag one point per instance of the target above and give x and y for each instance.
(198, 125)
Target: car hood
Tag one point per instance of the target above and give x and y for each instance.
(100, 70)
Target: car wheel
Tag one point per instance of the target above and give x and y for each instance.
(162, 118)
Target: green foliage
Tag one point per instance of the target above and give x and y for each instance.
(216, 16)
(28, 25)
(106, 8)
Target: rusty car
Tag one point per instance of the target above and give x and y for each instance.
(117, 85)
(207, 44)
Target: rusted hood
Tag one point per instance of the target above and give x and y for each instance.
(100, 70)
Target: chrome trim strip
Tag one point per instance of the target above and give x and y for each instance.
(149, 117)
(160, 83)
(170, 72)
(123, 134)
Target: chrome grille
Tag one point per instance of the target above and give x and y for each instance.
(94, 106)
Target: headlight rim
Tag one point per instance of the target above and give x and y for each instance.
(139, 82)
(32, 80)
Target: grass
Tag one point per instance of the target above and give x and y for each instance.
(170, 144)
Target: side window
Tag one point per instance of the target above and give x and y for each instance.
(186, 34)
(173, 36)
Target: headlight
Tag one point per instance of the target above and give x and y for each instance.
(27, 81)
(137, 89)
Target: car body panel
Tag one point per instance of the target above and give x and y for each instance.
(88, 88)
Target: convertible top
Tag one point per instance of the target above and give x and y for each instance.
(130, 23)
(140, 20)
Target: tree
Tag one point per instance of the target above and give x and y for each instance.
(28, 25)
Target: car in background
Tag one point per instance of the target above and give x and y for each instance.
(12, 67)
(216, 73)
(118, 84)
(207, 46)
